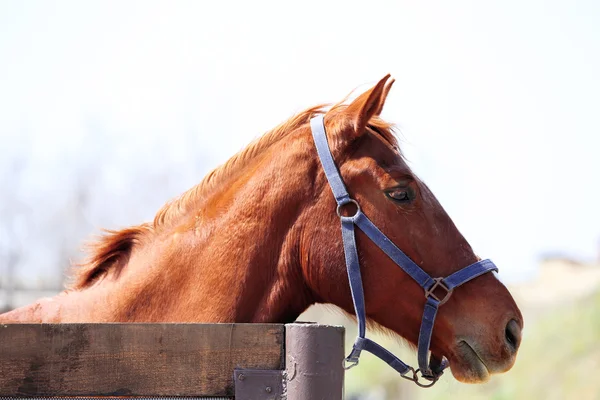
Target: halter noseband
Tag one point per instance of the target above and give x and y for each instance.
(429, 284)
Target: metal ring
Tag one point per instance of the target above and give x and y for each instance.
(338, 210)
(414, 377)
(349, 363)
(432, 379)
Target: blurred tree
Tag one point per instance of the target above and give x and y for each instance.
(12, 213)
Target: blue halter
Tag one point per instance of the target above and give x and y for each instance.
(429, 284)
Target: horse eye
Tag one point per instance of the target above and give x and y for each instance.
(399, 195)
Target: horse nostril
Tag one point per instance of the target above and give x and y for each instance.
(513, 335)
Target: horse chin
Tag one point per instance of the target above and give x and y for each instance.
(467, 366)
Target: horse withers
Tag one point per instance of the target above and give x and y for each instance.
(258, 240)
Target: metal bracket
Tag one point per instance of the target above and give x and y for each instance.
(438, 283)
(258, 384)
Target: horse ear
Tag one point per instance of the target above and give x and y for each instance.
(369, 104)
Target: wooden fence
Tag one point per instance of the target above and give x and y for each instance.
(242, 361)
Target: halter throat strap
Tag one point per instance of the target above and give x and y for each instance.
(431, 286)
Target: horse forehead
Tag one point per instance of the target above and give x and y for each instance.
(428, 197)
(377, 151)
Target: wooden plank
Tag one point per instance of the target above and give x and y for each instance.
(133, 359)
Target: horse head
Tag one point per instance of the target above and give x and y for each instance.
(478, 329)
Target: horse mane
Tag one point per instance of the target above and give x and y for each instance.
(109, 251)
(183, 203)
(114, 248)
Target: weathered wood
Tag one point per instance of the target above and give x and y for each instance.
(133, 359)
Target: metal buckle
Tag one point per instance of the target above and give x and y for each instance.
(438, 283)
(349, 363)
(338, 210)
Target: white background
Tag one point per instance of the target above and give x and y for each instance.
(497, 104)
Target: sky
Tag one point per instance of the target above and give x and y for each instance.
(496, 103)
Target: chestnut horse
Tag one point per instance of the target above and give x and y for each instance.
(257, 241)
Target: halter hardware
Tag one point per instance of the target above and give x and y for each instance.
(430, 285)
(350, 362)
(438, 283)
(414, 377)
(338, 210)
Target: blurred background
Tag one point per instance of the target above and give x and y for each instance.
(109, 109)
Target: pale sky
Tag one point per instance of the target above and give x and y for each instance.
(497, 102)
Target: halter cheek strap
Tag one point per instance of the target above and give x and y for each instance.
(431, 286)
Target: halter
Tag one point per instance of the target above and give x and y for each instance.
(430, 285)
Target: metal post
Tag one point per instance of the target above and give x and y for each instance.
(314, 355)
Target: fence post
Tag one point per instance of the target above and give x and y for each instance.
(314, 355)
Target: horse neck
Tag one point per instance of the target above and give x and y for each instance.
(236, 258)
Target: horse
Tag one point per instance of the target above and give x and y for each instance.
(256, 241)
